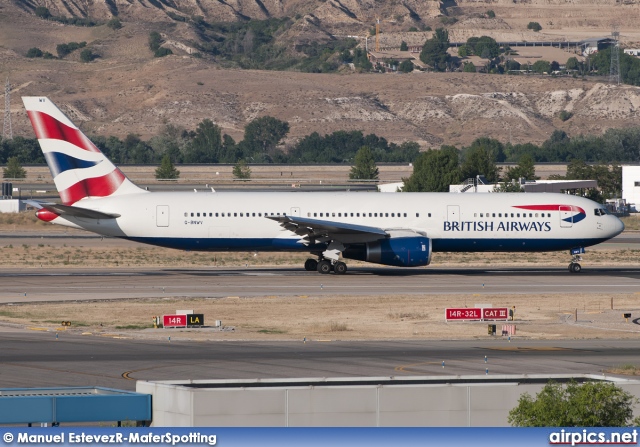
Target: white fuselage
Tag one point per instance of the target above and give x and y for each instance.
(226, 221)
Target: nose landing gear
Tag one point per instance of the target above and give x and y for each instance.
(574, 266)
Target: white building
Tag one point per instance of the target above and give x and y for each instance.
(631, 186)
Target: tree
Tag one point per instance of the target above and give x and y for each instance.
(434, 171)
(167, 170)
(206, 145)
(13, 169)
(262, 135)
(406, 66)
(464, 51)
(481, 157)
(490, 14)
(469, 67)
(241, 170)
(404, 46)
(591, 404)
(434, 51)
(364, 167)
(572, 63)
(541, 66)
(524, 169)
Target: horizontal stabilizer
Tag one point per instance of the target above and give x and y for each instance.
(72, 211)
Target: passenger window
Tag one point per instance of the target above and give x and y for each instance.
(186, 214)
(198, 214)
(417, 214)
(235, 214)
(253, 214)
(474, 215)
(429, 215)
(499, 214)
(357, 214)
(216, 214)
(386, 214)
(494, 215)
(405, 214)
(393, 214)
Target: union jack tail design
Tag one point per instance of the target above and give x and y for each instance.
(80, 171)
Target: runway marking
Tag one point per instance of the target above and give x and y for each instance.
(402, 368)
(38, 329)
(532, 348)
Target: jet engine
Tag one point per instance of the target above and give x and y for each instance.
(413, 251)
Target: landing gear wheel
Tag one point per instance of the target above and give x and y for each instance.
(324, 267)
(311, 265)
(340, 268)
(574, 267)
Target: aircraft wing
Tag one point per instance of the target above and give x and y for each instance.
(73, 211)
(314, 231)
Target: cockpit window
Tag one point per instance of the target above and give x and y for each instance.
(601, 211)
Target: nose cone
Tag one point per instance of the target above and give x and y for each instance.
(618, 226)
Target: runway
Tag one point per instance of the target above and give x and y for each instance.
(38, 359)
(74, 284)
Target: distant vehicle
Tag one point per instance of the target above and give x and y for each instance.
(390, 229)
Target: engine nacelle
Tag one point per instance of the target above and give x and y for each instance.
(413, 251)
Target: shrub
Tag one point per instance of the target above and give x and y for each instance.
(87, 55)
(42, 12)
(114, 24)
(34, 52)
(162, 52)
(469, 67)
(491, 14)
(535, 26)
(564, 115)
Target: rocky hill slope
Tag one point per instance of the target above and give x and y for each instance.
(126, 90)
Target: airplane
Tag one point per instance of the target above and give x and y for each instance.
(402, 229)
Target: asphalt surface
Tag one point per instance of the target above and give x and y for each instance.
(72, 284)
(39, 359)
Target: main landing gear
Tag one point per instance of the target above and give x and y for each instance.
(325, 266)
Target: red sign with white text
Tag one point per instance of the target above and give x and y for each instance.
(495, 313)
(477, 313)
(464, 313)
(174, 321)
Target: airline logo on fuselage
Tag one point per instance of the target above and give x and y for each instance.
(574, 214)
(497, 226)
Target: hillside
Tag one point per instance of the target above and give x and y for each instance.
(127, 90)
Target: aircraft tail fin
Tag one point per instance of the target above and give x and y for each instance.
(79, 169)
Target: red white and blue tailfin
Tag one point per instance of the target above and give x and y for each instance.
(79, 169)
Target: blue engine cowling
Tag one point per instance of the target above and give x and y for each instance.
(411, 251)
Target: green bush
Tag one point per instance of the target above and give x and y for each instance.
(162, 52)
(114, 24)
(64, 49)
(491, 14)
(87, 55)
(564, 115)
(34, 52)
(42, 12)
(535, 26)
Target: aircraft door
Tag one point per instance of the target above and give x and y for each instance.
(295, 211)
(162, 215)
(453, 213)
(566, 217)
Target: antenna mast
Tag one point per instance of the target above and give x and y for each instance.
(7, 132)
(614, 66)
